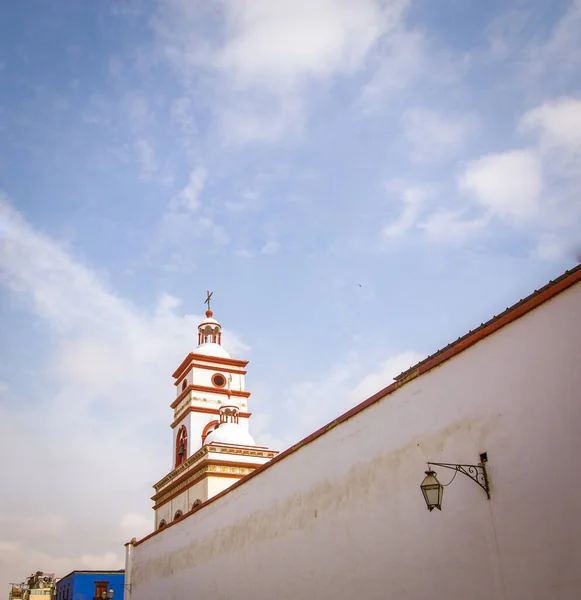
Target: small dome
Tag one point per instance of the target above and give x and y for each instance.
(230, 433)
(208, 321)
(212, 349)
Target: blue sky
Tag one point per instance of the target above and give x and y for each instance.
(359, 183)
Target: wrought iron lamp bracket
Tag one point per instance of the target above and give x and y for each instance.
(475, 472)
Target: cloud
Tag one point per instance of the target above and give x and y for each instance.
(452, 226)
(508, 184)
(108, 560)
(281, 44)
(533, 188)
(266, 120)
(186, 221)
(109, 364)
(346, 383)
(264, 56)
(413, 197)
(189, 197)
(384, 374)
(536, 59)
(434, 136)
(407, 60)
(557, 123)
(28, 528)
(402, 62)
(135, 525)
(561, 53)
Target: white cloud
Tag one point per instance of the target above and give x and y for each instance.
(189, 197)
(136, 525)
(557, 123)
(28, 528)
(268, 53)
(280, 44)
(402, 62)
(562, 51)
(508, 184)
(112, 358)
(266, 120)
(535, 188)
(183, 222)
(385, 374)
(413, 198)
(433, 135)
(342, 386)
(17, 560)
(452, 226)
(108, 560)
(407, 58)
(553, 246)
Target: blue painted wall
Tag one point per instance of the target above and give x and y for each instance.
(80, 585)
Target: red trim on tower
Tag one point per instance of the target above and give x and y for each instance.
(209, 368)
(211, 359)
(211, 424)
(206, 411)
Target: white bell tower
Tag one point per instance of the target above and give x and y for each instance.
(212, 447)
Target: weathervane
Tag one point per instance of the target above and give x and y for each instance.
(207, 300)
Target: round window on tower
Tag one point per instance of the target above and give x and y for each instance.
(218, 380)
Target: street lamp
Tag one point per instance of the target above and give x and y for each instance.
(108, 594)
(433, 490)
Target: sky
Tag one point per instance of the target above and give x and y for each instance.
(359, 182)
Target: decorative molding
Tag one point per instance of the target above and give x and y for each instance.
(209, 390)
(181, 468)
(261, 453)
(206, 469)
(204, 410)
(210, 368)
(192, 356)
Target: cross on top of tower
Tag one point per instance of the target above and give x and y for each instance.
(207, 301)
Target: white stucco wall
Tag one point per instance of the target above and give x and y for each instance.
(343, 517)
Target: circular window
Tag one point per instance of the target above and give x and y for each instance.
(219, 380)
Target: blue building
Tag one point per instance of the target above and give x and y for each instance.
(91, 585)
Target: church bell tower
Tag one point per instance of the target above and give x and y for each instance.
(212, 447)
